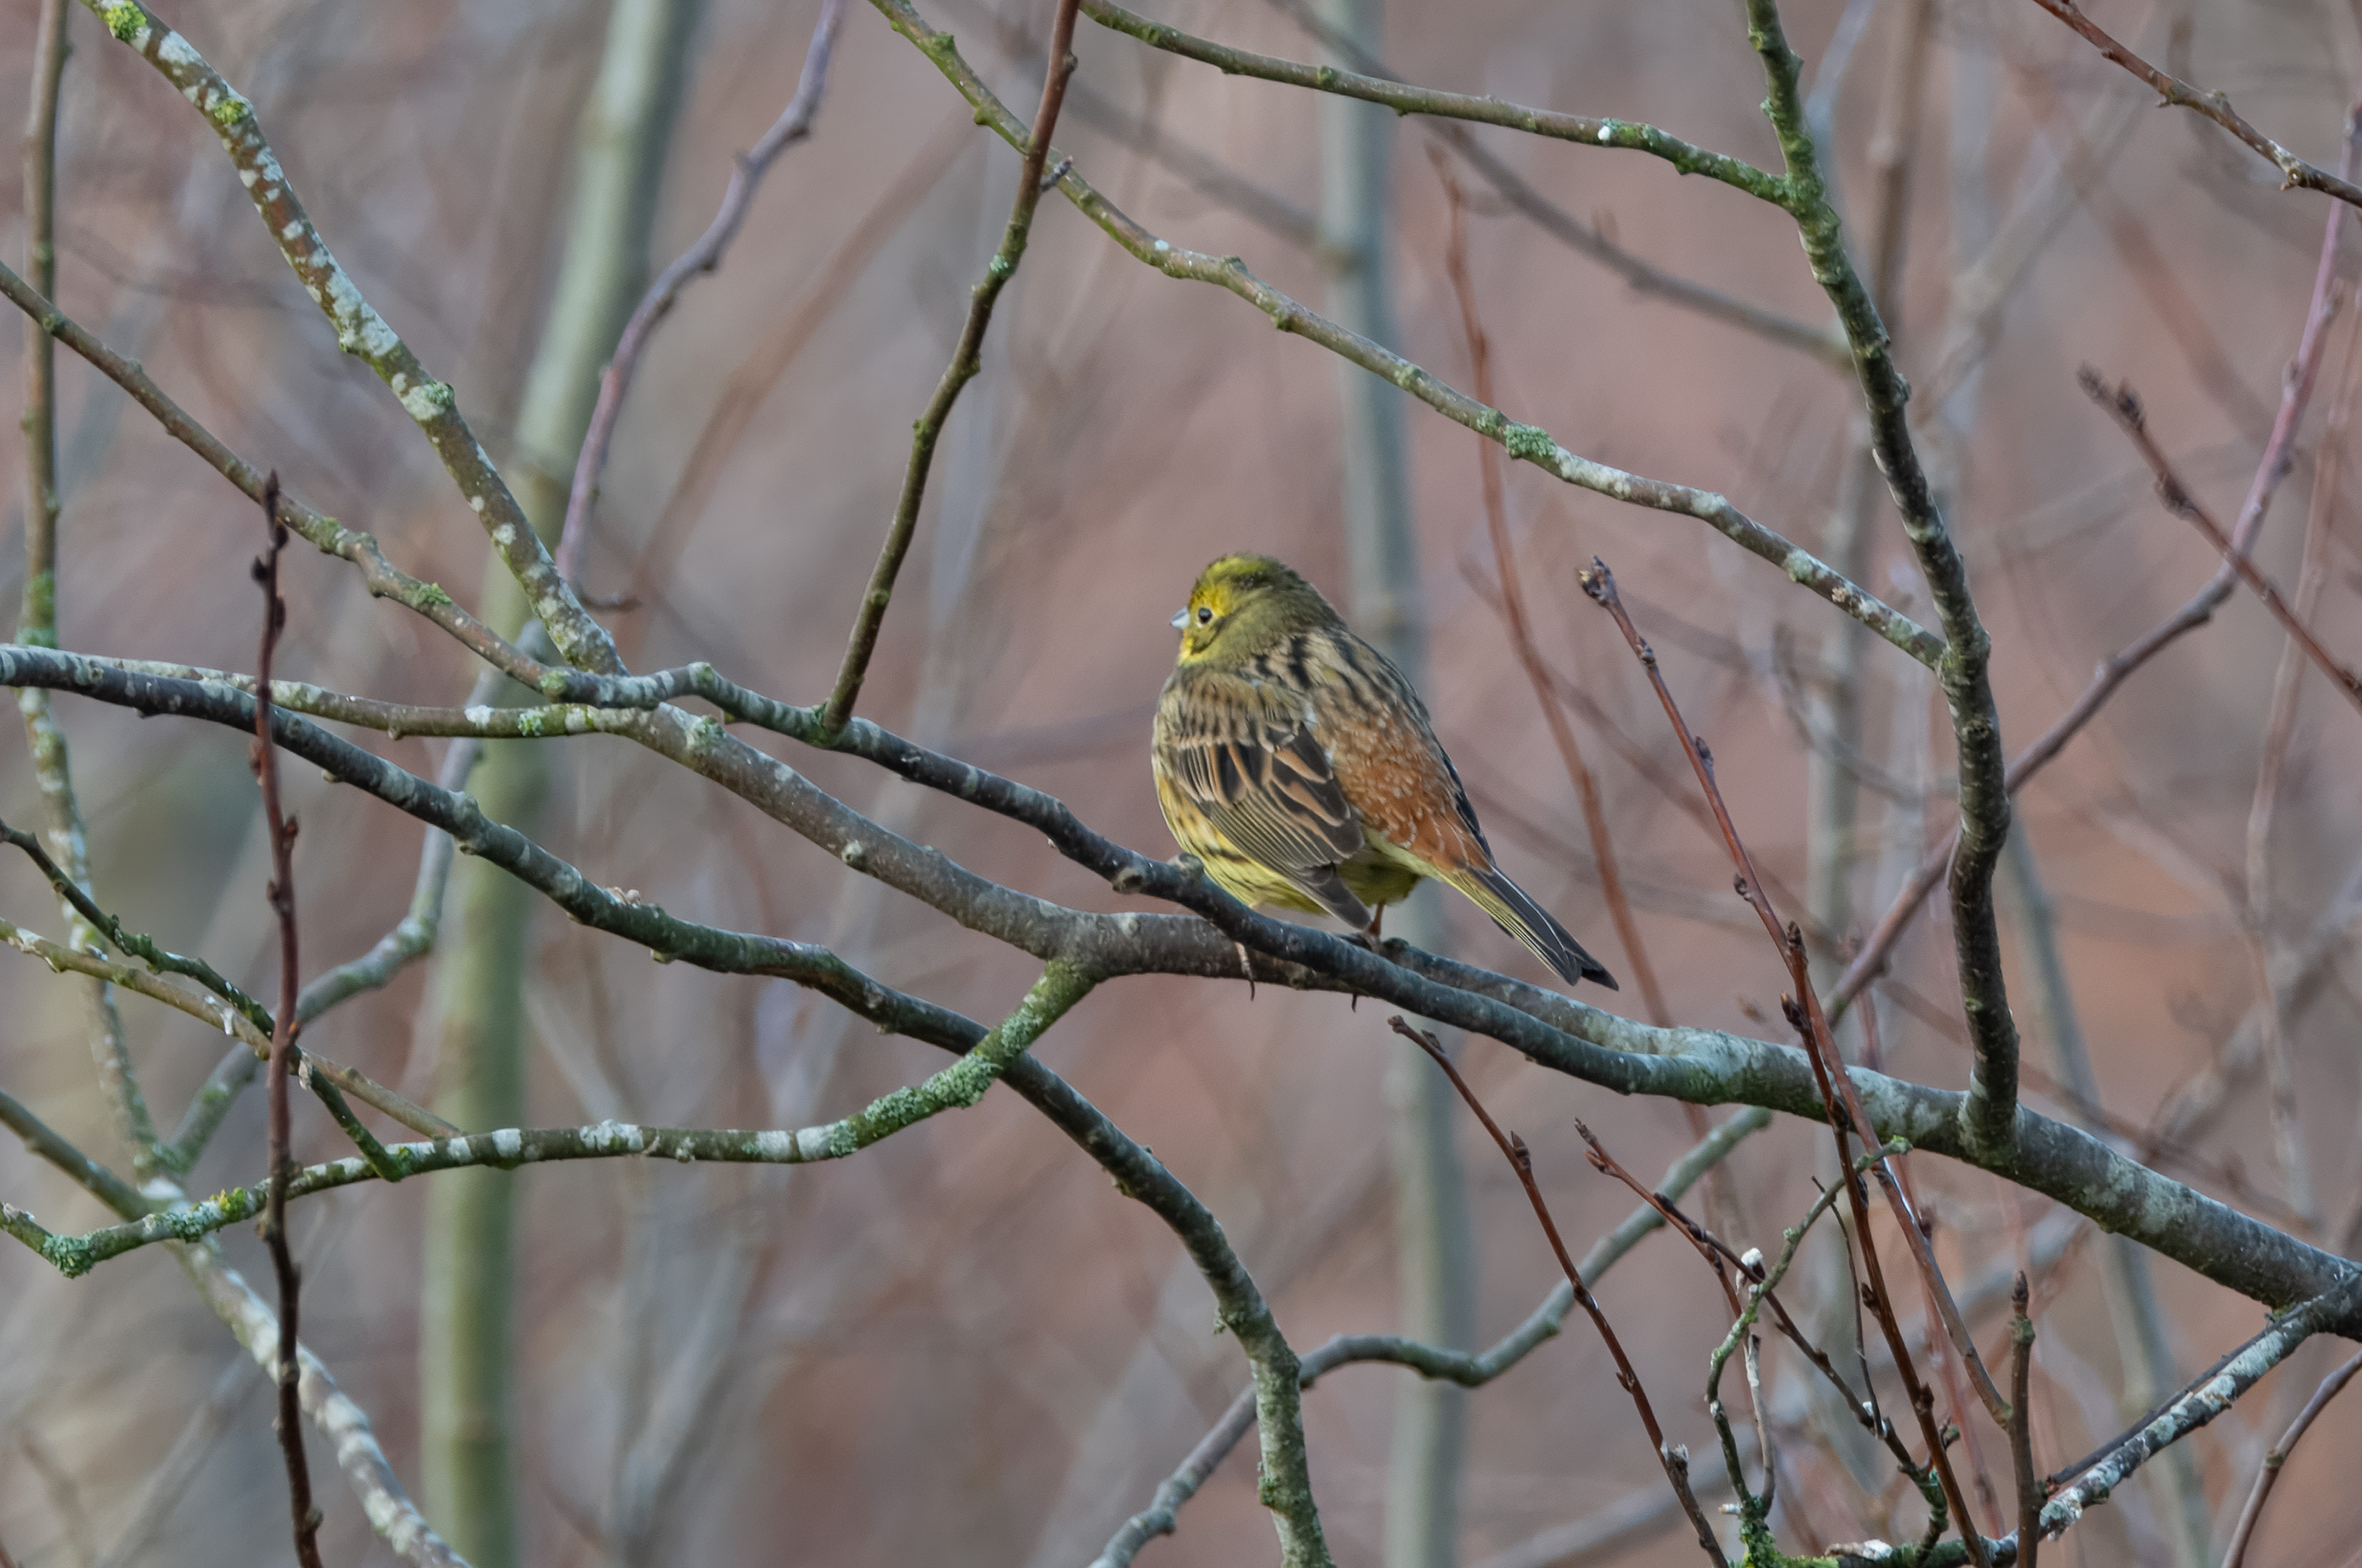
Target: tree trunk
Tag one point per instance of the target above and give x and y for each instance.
(1382, 556)
(465, 1344)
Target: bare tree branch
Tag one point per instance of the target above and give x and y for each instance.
(2294, 172)
(1703, 1066)
(1469, 1370)
(2126, 407)
(2296, 394)
(2268, 1472)
(2209, 1398)
(280, 895)
(1965, 670)
(746, 172)
(1839, 1096)
(1404, 99)
(967, 362)
(1587, 239)
(360, 331)
(324, 532)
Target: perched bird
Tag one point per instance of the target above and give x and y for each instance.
(1297, 764)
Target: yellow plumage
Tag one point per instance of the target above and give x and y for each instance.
(1298, 766)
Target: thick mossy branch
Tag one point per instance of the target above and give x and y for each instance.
(324, 1080)
(956, 1087)
(1703, 1066)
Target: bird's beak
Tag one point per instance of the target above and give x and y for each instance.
(1180, 617)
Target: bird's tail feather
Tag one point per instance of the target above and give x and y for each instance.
(1514, 912)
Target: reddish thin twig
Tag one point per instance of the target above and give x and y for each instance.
(1513, 1149)
(2125, 406)
(746, 172)
(2294, 170)
(2021, 1426)
(1600, 584)
(2279, 731)
(2296, 394)
(1838, 1097)
(1716, 1253)
(1513, 612)
(281, 894)
(1718, 1256)
(1721, 1200)
(1873, 1054)
(2268, 1472)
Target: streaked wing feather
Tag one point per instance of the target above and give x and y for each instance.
(1248, 761)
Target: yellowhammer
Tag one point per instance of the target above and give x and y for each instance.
(1298, 766)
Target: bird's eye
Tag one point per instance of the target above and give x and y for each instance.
(1205, 615)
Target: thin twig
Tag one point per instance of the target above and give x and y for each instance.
(1841, 1101)
(2213, 1391)
(2279, 732)
(1989, 1113)
(1527, 443)
(325, 1079)
(1469, 1370)
(767, 359)
(1708, 1246)
(1513, 608)
(1939, 1346)
(413, 934)
(281, 896)
(361, 331)
(2294, 170)
(966, 360)
(1513, 1149)
(747, 173)
(2124, 406)
(2296, 393)
(1600, 584)
(2021, 1427)
(1717, 1256)
(2269, 1474)
(1405, 98)
(36, 620)
(1756, 1511)
(384, 580)
(1588, 239)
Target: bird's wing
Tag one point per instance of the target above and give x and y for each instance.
(1243, 750)
(1396, 773)
(1387, 760)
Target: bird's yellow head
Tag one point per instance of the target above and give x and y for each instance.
(1245, 604)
